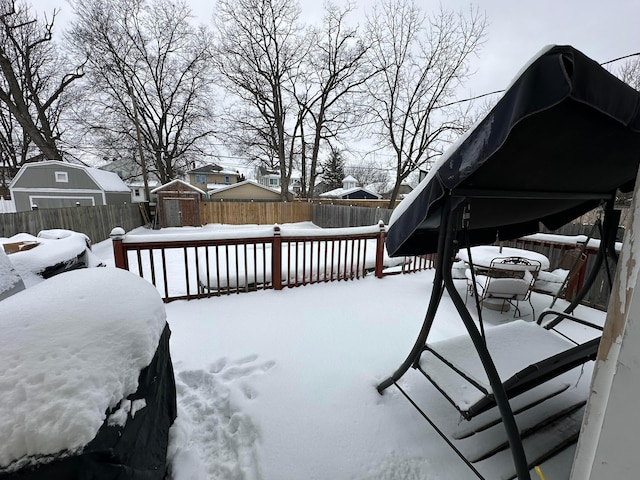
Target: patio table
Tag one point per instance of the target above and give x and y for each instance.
(484, 254)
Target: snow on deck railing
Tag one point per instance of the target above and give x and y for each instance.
(203, 264)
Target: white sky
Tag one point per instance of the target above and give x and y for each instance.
(516, 31)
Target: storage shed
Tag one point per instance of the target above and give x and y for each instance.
(55, 184)
(178, 204)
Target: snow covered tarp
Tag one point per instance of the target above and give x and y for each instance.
(10, 281)
(87, 387)
(51, 252)
(564, 136)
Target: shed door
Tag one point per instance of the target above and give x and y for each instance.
(172, 212)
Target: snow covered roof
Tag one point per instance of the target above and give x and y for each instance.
(177, 182)
(222, 188)
(214, 169)
(71, 353)
(108, 181)
(342, 192)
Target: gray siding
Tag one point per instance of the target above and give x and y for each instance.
(118, 198)
(38, 184)
(43, 176)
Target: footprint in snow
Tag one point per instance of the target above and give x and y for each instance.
(244, 367)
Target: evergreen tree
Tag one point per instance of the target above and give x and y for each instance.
(333, 170)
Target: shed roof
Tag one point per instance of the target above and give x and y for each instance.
(177, 182)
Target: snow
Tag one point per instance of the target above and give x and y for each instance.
(10, 281)
(69, 352)
(483, 255)
(7, 206)
(271, 385)
(108, 181)
(52, 247)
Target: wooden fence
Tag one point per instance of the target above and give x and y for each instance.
(268, 259)
(355, 203)
(255, 213)
(95, 222)
(340, 216)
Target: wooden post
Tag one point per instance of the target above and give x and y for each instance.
(119, 254)
(380, 250)
(276, 259)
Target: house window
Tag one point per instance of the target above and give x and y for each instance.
(273, 182)
(62, 177)
(200, 178)
(136, 192)
(227, 180)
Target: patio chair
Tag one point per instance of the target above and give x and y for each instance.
(508, 280)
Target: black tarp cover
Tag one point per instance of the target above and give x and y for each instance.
(136, 451)
(565, 131)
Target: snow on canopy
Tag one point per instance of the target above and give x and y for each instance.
(72, 347)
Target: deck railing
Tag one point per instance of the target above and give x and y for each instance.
(204, 265)
(198, 266)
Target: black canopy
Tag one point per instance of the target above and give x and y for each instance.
(565, 135)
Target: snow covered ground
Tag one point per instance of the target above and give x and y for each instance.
(280, 385)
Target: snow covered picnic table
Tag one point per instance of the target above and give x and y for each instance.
(483, 255)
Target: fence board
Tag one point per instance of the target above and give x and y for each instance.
(95, 222)
(256, 213)
(341, 216)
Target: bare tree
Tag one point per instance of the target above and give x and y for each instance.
(629, 72)
(333, 75)
(33, 83)
(371, 174)
(422, 59)
(260, 47)
(149, 73)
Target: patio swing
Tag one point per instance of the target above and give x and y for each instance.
(563, 139)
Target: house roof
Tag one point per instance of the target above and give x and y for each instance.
(107, 181)
(240, 184)
(213, 168)
(178, 182)
(342, 192)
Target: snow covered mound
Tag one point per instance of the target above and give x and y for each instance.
(71, 347)
(53, 251)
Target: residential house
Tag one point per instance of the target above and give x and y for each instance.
(55, 184)
(131, 173)
(351, 190)
(212, 176)
(271, 178)
(246, 190)
(405, 189)
(137, 190)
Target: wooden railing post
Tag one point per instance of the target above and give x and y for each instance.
(380, 250)
(276, 259)
(119, 254)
